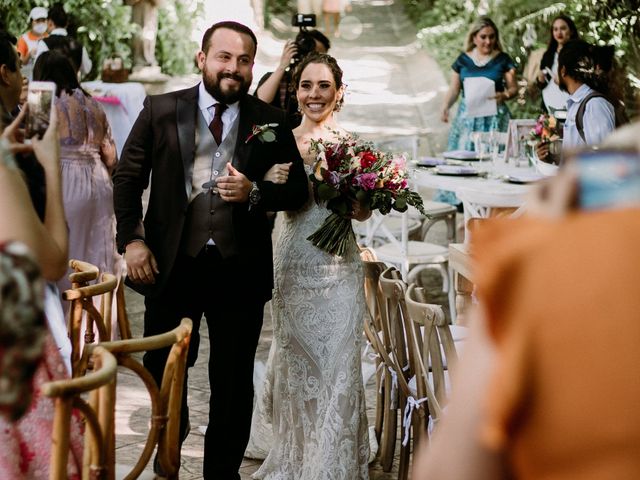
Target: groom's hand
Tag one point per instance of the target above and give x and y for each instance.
(234, 187)
(141, 264)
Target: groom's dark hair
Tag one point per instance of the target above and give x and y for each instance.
(235, 26)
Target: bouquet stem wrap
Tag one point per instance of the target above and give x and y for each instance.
(334, 236)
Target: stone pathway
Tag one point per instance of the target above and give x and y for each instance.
(393, 96)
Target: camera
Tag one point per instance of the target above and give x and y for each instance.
(303, 20)
(305, 42)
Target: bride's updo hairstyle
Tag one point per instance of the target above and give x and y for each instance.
(324, 59)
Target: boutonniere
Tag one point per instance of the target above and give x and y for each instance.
(264, 133)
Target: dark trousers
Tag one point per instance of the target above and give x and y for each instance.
(220, 289)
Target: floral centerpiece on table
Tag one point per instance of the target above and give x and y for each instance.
(348, 169)
(547, 129)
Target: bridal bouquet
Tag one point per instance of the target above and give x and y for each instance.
(546, 129)
(347, 169)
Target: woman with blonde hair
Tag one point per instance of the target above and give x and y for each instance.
(482, 57)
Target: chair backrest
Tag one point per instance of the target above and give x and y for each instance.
(434, 345)
(394, 228)
(372, 272)
(99, 421)
(165, 398)
(484, 204)
(83, 313)
(406, 361)
(393, 317)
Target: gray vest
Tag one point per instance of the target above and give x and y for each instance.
(208, 216)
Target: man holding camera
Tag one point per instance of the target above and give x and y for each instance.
(274, 87)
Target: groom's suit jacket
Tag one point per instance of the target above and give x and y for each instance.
(162, 146)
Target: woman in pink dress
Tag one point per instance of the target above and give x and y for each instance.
(331, 12)
(87, 157)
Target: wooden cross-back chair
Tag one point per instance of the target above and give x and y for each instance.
(433, 349)
(165, 398)
(67, 396)
(83, 313)
(395, 319)
(386, 418)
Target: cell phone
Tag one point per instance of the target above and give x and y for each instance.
(608, 179)
(40, 97)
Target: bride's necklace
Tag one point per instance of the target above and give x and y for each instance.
(479, 59)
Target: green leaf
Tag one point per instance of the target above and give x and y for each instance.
(268, 136)
(325, 192)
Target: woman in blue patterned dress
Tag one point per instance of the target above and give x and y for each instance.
(482, 57)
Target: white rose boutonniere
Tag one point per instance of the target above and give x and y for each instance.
(265, 133)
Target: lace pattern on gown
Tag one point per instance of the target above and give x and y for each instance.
(314, 396)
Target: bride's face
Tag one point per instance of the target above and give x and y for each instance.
(317, 93)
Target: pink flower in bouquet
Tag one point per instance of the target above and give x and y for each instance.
(367, 181)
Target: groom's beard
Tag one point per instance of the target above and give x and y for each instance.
(212, 85)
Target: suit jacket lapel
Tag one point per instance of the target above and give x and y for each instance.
(186, 111)
(248, 117)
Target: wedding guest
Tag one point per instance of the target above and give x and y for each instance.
(590, 115)
(88, 156)
(533, 372)
(28, 41)
(310, 6)
(29, 355)
(482, 57)
(59, 39)
(206, 226)
(275, 87)
(332, 11)
(563, 29)
(314, 397)
(11, 90)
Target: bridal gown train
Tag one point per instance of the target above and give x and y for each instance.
(311, 412)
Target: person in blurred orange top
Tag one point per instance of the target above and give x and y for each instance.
(549, 384)
(28, 42)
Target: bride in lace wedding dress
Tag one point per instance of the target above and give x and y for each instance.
(311, 414)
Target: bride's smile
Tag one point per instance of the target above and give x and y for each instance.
(317, 92)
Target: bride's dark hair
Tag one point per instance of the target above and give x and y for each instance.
(324, 59)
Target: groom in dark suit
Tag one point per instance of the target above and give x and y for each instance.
(204, 246)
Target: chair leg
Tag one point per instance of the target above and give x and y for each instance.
(389, 427)
(405, 452)
(452, 295)
(451, 227)
(379, 406)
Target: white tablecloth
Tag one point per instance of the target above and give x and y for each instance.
(495, 192)
(122, 102)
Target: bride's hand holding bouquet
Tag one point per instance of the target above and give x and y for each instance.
(353, 179)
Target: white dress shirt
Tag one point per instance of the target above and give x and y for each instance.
(206, 104)
(598, 122)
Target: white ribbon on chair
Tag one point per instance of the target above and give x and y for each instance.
(412, 404)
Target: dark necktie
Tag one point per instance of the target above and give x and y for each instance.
(216, 124)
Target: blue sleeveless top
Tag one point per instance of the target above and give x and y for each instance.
(494, 69)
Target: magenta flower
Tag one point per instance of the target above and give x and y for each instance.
(367, 181)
